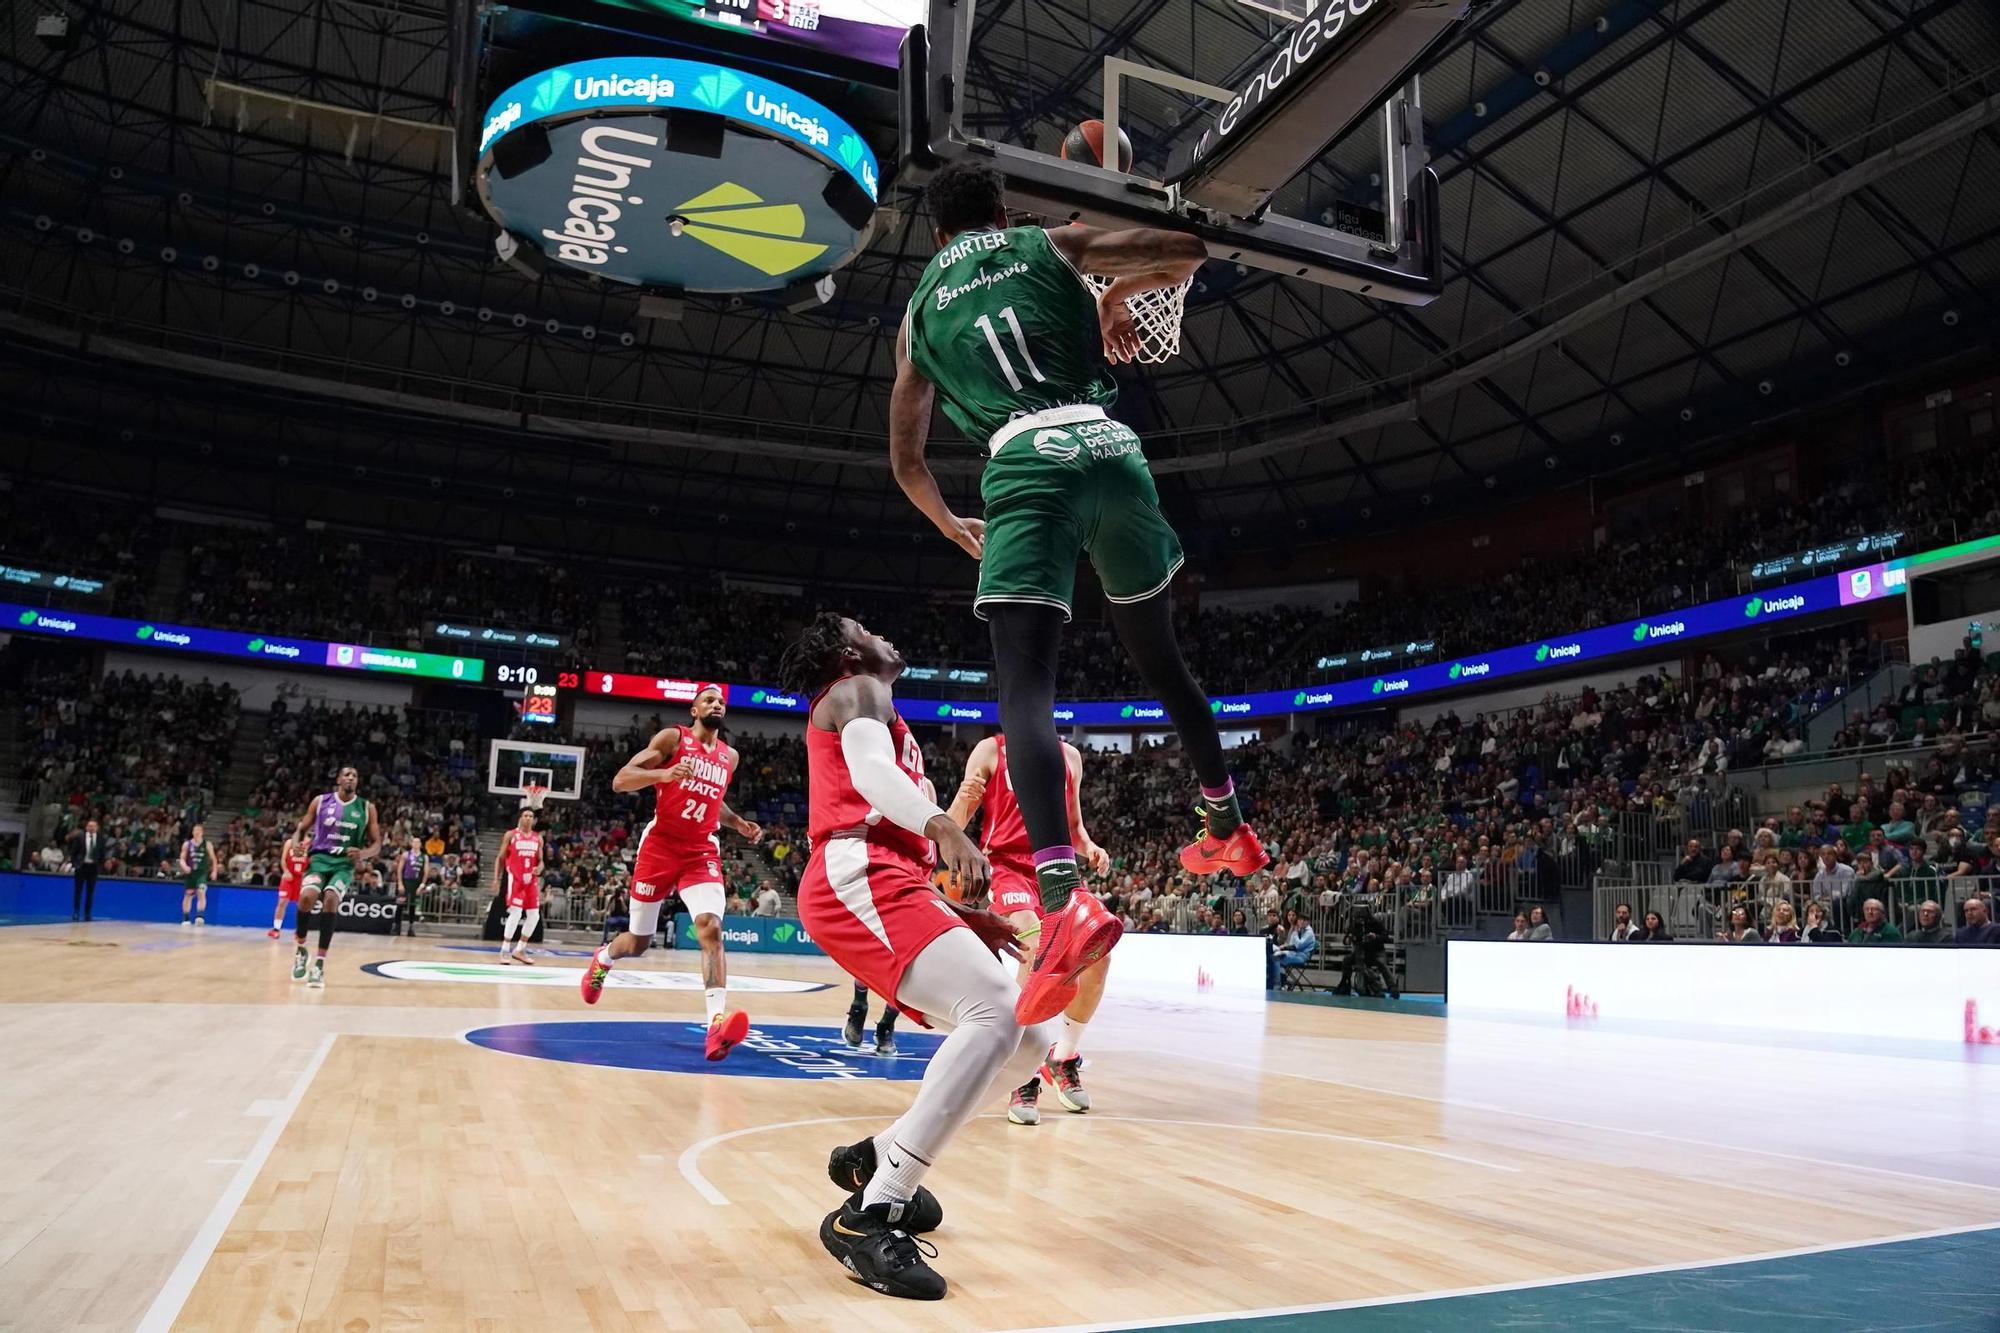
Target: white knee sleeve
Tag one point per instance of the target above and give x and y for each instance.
(645, 918)
(513, 920)
(528, 924)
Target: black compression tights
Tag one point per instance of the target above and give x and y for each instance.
(1026, 639)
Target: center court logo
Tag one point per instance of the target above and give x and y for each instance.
(770, 1050)
(624, 978)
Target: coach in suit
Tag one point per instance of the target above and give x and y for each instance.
(86, 849)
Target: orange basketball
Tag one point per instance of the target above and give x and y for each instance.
(1085, 143)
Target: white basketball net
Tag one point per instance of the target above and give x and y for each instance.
(533, 795)
(1157, 314)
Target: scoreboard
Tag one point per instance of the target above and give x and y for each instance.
(538, 704)
(653, 689)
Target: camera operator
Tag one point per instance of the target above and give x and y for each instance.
(1366, 970)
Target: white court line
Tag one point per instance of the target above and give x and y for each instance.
(179, 1286)
(1411, 1298)
(1941, 1181)
(690, 1160)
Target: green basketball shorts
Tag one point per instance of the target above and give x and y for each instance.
(328, 870)
(1067, 482)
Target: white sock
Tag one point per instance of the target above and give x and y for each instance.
(604, 958)
(898, 1172)
(717, 999)
(1069, 1040)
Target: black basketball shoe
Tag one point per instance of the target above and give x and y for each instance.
(851, 1033)
(878, 1251)
(852, 1166)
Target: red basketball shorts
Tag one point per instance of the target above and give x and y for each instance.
(1015, 888)
(872, 910)
(523, 892)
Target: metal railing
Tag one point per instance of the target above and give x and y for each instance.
(1701, 911)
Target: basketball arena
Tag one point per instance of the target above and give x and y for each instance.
(926, 664)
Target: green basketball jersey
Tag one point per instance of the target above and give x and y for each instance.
(339, 826)
(1003, 326)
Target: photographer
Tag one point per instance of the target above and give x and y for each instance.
(1365, 970)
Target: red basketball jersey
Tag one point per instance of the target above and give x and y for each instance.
(1002, 827)
(834, 804)
(293, 867)
(687, 813)
(523, 854)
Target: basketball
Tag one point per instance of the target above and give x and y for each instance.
(1085, 143)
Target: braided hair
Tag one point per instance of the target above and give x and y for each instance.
(813, 659)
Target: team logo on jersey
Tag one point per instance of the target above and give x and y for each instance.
(772, 1050)
(1056, 444)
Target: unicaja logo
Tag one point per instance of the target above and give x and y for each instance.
(1752, 607)
(548, 93)
(1639, 632)
(712, 90)
(781, 113)
(944, 710)
(1376, 688)
(784, 932)
(598, 201)
(1299, 699)
(756, 696)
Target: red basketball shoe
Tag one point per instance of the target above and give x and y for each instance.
(594, 974)
(725, 1032)
(1241, 854)
(1072, 940)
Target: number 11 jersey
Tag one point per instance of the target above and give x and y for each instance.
(1004, 326)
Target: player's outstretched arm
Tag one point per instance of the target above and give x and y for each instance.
(979, 766)
(909, 435)
(1137, 260)
(861, 709)
(751, 830)
(1094, 856)
(303, 833)
(374, 847)
(649, 766)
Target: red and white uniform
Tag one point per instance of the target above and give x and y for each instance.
(680, 852)
(292, 871)
(1005, 835)
(866, 897)
(524, 864)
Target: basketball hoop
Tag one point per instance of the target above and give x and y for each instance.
(1157, 314)
(533, 795)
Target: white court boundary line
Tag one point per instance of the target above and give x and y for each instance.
(180, 1283)
(690, 1159)
(1412, 1298)
(1940, 1181)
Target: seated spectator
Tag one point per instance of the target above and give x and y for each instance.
(1622, 928)
(1930, 927)
(1740, 931)
(1979, 927)
(1875, 927)
(1300, 944)
(1819, 928)
(1725, 871)
(1694, 866)
(1520, 927)
(1784, 925)
(1538, 925)
(1653, 930)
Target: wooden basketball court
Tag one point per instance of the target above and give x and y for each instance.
(197, 1142)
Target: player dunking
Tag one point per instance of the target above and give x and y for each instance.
(867, 899)
(197, 867)
(1004, 332)
(521, 855)
(342, 832)
(988, 790)
(689, 768)
(291, 869)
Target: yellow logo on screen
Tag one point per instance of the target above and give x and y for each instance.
(739, 223)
